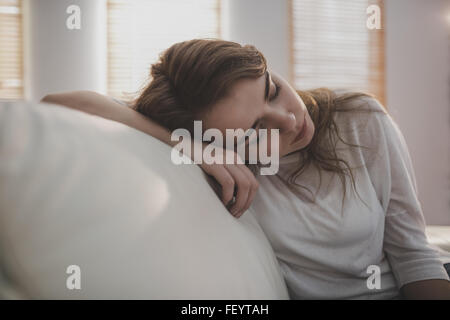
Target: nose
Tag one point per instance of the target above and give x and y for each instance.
(281, 119)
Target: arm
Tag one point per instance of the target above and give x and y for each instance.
(427, 289)
(230, 177)
(100, 105)
(419, 271)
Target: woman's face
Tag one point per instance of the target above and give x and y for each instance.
(267, 102)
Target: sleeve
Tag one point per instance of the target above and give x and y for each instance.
(405, 243)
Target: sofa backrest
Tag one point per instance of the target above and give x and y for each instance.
(91, 202)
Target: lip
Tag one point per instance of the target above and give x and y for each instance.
(302, 132)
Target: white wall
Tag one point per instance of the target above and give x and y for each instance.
(418, 94)
(59, 59)
(262, 23)
(417, 57)
(417, 79)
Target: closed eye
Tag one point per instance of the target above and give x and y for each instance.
(255, 126)
(276, 93)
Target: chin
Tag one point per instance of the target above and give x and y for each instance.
(302, 143)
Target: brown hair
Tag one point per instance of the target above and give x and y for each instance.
(192, 75)
(321, 152)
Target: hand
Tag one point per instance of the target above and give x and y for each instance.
(236, 181)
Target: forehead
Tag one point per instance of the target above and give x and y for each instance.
(240, 108)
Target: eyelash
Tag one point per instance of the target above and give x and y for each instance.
(256, 128)
(277, 91)
(260, 126)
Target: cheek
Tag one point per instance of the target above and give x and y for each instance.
(288, 148)
(285, 145)
(268, 146)
(312, 129)
(272, 145)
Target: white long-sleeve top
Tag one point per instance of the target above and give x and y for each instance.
(325, 252)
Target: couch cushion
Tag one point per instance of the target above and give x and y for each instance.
(76, 189)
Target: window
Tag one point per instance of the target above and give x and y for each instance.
(139, 30)
(11, 69)
(332, 46)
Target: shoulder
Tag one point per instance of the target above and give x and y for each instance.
(364, 121)
(360, 115)
(358, 101)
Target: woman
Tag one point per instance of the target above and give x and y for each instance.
(342, 207)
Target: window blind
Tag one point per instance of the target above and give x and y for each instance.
(333, 47)
(11, 55)
(139, 30)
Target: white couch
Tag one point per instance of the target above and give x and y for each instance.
(79, 190)
(76, 189)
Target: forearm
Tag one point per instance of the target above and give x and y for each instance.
(427, 289)
(236, 183)
(100, 105)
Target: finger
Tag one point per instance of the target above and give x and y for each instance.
(242, 185)
(253, 189)
(226, 181)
